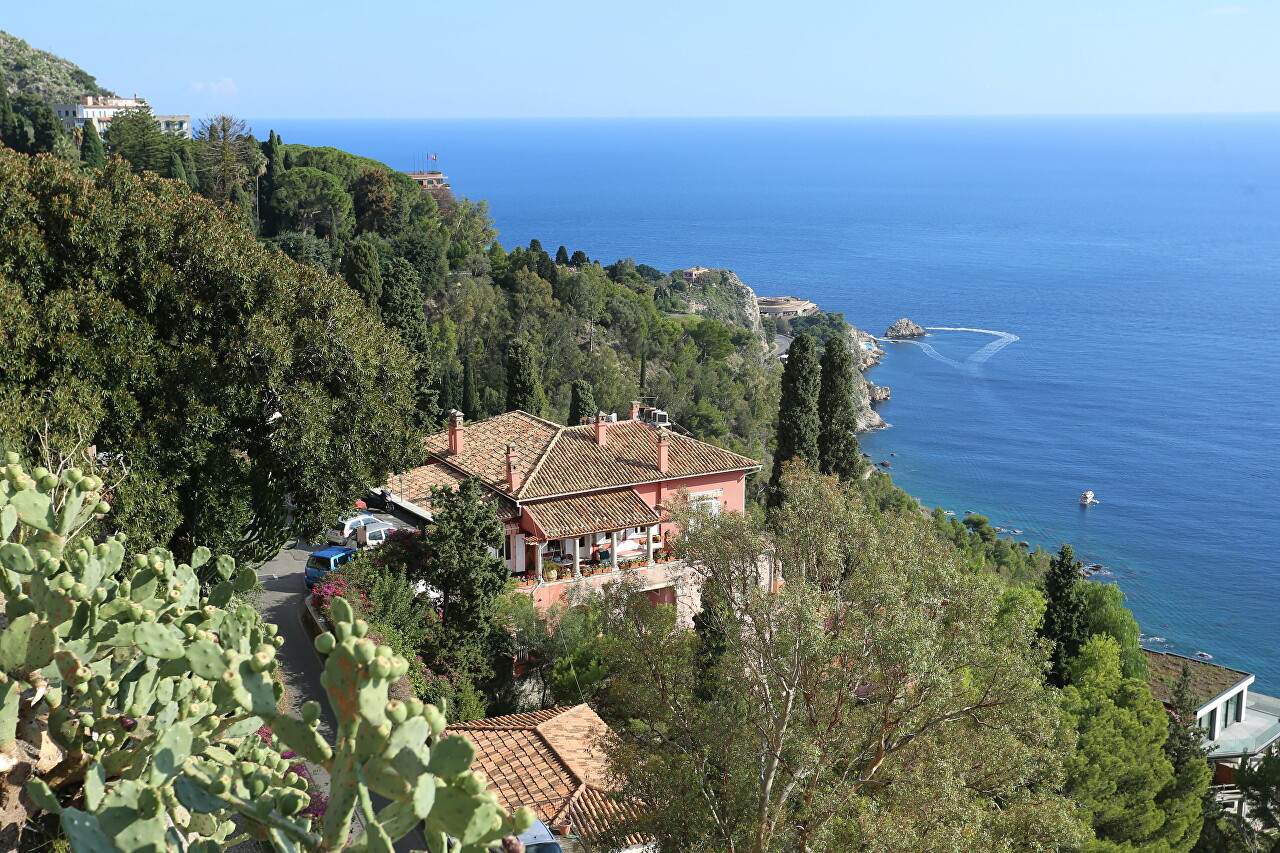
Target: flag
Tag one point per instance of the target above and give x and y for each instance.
(433, 156)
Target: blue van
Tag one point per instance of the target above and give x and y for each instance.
(322, 562)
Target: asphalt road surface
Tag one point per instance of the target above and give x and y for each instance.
(300, 664)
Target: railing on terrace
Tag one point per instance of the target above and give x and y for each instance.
(564, 574)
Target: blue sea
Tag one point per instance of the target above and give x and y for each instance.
(1136, 260)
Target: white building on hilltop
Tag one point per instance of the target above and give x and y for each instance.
(101, 111)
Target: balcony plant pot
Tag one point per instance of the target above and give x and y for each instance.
(550, 573)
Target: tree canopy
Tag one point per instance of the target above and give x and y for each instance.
(221, 374)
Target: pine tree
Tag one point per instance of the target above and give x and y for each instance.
(582, 402)
(92, 154)
(362, 268)
(1119, 773)
(535, 245)
(562, 256)
(838, 452)
(1064, 621)
(579, 260)
(177, 171)
(798, 427)
(524, 386)
(1184, 800)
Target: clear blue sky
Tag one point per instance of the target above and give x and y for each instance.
(557, 58)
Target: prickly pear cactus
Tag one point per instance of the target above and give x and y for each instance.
(126, 689)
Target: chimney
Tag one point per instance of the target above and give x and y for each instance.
(635, 409)
(513, 476)
(457, 438)
(602, 428)
(664, 451)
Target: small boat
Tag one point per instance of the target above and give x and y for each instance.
(1204, 656)
(1087, 498)
(1016, 532)
(951, 513)
(968, 512)
(1160, 640)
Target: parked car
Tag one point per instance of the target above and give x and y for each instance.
(341, 532)
(371, 535)
(324, 561)
(540, 840)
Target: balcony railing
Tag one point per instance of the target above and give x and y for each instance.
(564, 574)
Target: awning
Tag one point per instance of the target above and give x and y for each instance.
(598, 512)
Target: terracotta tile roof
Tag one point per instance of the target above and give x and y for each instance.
(1208, 680)
(484, 452)
(561, 518)
(549, 761)
(592, 811)
(557, 460)
(575, 463)
(415, 486)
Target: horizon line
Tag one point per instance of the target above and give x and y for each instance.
(1222, 114)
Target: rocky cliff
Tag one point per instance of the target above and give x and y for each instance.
(904, 328)
(721, 295)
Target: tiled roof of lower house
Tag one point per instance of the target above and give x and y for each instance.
(561, 518)
(415, 486)
(550, 761)
(1208, 680)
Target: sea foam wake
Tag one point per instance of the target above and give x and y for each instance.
(1003, 339)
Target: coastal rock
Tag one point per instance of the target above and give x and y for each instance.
(904, 328)
(877, 393)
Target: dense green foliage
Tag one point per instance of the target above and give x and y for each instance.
(1119, 772)
(582, 402)
(883, 698)
(220, 374)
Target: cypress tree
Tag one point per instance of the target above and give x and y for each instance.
(470, 394)
(797, 435)
(91, 151)
(190, 168)
(524, 387)
(644, 368)
(451, 390)
(46, 128)
(562, 256)
(580, 259)
(837, 414)
(1064, 616)
(535, 245)
(177, 171)
(8, 120)
(582, 402)
(362, 268)
(711, 627)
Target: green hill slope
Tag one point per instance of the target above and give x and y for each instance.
(51, 78)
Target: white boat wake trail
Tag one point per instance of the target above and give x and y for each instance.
(1003, 339)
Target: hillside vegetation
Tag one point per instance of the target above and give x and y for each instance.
(37, 72)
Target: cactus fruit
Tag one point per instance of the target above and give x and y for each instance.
(157, 689)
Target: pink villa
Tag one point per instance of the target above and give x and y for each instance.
(580, 502)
